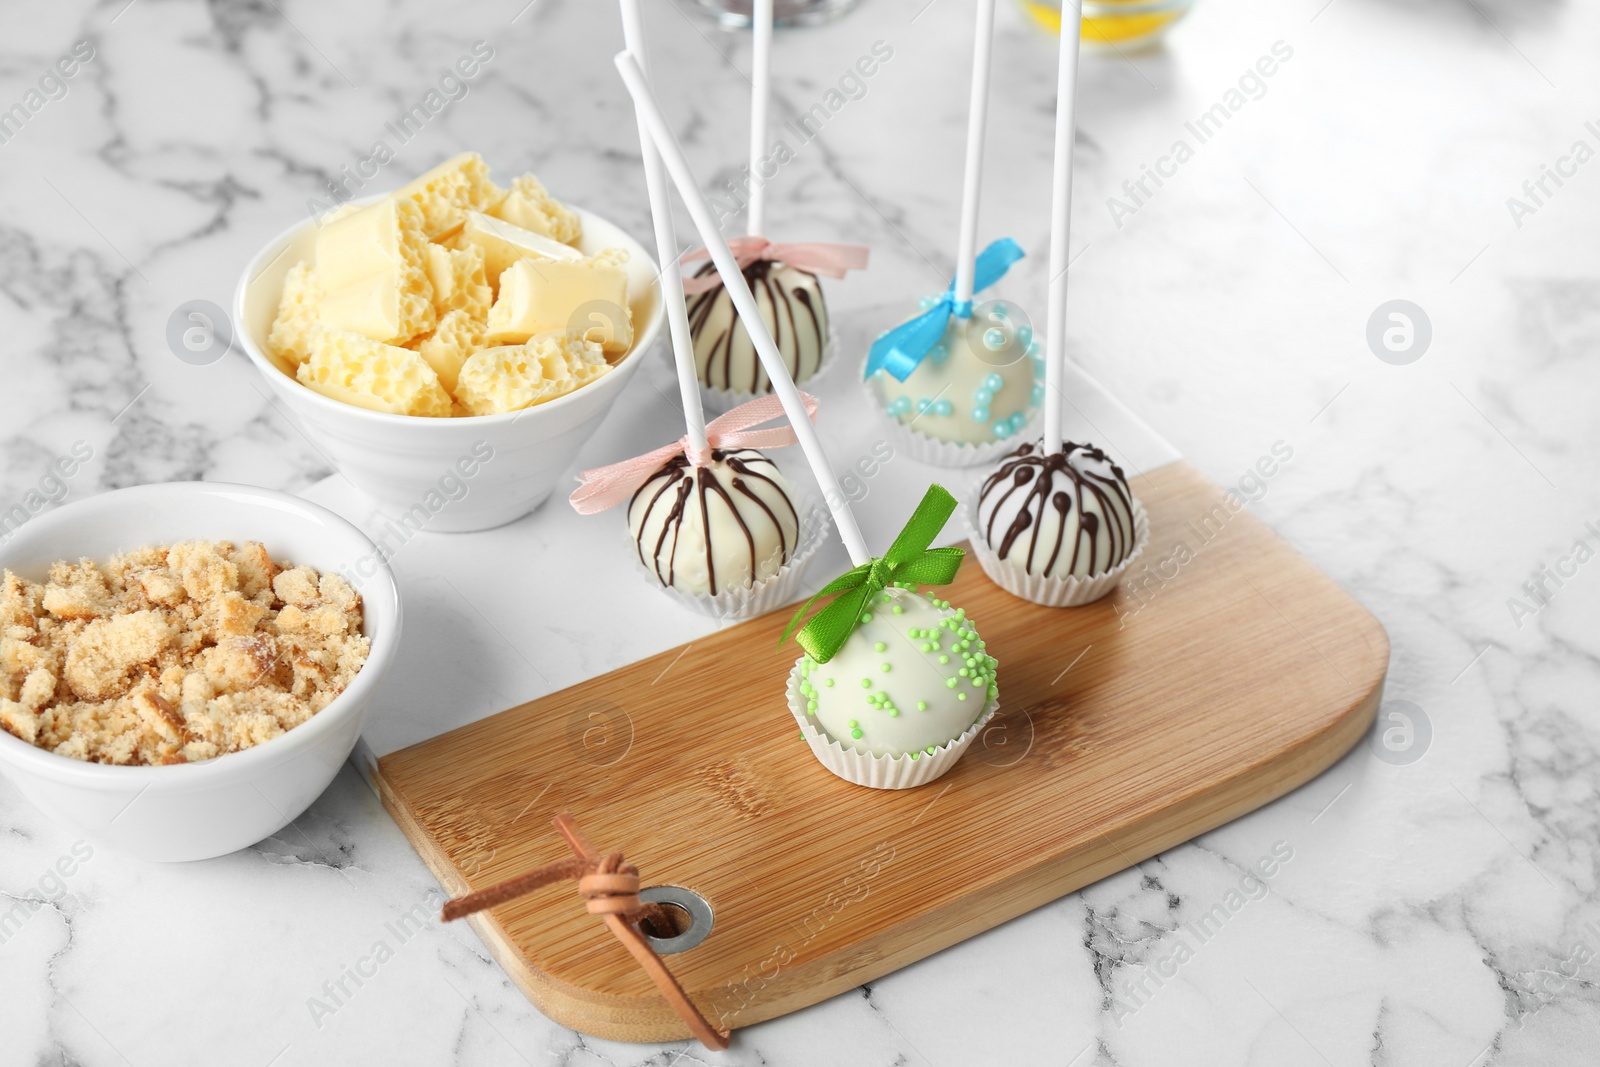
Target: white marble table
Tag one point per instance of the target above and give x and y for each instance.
(1439, 906)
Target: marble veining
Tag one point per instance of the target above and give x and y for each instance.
(1432, 910)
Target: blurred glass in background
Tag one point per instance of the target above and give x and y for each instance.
(735, 14)
(1121, 24)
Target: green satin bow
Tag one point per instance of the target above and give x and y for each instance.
(908, 560)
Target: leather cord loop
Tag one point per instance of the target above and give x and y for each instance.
(610, 888)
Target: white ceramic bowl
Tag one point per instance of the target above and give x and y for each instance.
(399, 460)
(195, 811)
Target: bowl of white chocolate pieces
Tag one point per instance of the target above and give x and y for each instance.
(451, 329)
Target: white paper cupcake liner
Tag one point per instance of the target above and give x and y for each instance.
(908, 441)
(777, 590)
(718, 401)
(1042, 588)
(880, 772)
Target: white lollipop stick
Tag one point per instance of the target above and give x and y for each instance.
(745, 303)
(1055, 346)
(977, 119)
(760, 91)
(655, 182)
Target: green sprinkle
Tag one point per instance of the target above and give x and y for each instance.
(922, 705)
(811, 706)
(866, 683)
(944, 659)
(950, 683)
(961, 696)
(963, 673)
(853, 724)
(894, 713)
(885, 667)
(930, 750)
(880, 647)
(828, 682)
(855, 733)
(867, 617)
(898, 610)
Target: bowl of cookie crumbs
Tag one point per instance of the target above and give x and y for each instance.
(184, 667)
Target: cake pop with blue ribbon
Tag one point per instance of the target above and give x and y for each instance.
(958, 373)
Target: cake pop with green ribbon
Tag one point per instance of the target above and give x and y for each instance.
(890, 671)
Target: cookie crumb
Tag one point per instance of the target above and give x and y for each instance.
(173, 654)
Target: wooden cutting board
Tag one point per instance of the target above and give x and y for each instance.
(1216, 679)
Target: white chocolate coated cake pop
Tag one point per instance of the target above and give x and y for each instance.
(911, 677)
(792, 307)
(726, 525)
(981, 383)
(1066, 514)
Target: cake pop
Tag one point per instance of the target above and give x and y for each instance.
(724, 524)
(783, 277)
(960, 380)
(1055, 522)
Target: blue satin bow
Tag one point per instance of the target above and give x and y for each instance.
(901, 349)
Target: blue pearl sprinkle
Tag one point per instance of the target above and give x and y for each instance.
(940, 354)
(1003, 428)
(900, 406)
(943, 407)
(980, 414)
(983, 397)
(994, 339)
(993, 383)
(1024, 335)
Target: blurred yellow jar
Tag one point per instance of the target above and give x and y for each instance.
(1120, 23)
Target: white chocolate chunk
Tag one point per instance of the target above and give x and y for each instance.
(459, 281)
(449, 191)
(504, 244)
(447, 348)
(530, 206)
(290, 339)
(512, 377)
(371, 266)
(368, 374)
(586, 296)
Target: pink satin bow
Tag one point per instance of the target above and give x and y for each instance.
(814, 257)
(606, 487)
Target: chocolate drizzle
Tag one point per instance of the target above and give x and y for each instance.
(1059, 483)
(679, 486)
(796, 312)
